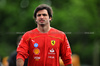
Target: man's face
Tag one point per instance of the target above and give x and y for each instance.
(42, 17)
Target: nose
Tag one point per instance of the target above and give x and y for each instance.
(41, 16)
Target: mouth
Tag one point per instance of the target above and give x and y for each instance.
(42, 20)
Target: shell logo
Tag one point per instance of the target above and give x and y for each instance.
(36, 51)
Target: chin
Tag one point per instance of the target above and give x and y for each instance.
(42, 25)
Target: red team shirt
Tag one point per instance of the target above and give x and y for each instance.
(44, 49)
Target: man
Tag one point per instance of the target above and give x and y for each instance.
(12, 57)
(43, 45)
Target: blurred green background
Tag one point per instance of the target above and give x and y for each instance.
(79, 19)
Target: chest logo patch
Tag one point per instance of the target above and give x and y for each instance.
(36, 51)
(52, 42)
(36, 45)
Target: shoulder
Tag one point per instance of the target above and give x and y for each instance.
(31, 31)
(56, 31)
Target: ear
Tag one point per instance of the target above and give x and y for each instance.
(50, 18)
(34, 18)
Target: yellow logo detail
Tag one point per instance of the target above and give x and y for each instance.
(53, 42)
(36, 51)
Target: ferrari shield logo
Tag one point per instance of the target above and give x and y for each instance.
(53, 42)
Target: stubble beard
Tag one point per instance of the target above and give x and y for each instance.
(42, 25)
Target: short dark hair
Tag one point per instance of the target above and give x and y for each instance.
(41, 7)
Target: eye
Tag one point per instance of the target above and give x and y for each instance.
(44, 14)
(39, 15)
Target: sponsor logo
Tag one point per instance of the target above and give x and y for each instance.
(51, 57)
(36, 51)
(20, 41)
(52, 42)
(36, 58)
(67, 42)
(36, 45)
(68, 46)
(52, 51)
(33, 41)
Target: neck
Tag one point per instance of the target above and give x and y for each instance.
(43, 28)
